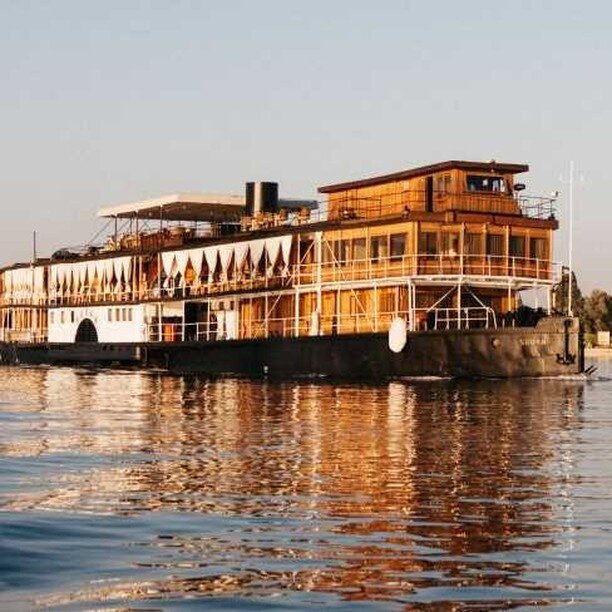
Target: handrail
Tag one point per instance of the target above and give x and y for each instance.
(327, 325)
(364, 269)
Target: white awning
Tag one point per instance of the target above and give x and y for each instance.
(211, 258)
(181, 207)
(196, 256)
(226, 251)
(257, 248)
(241, 250)
(167, 258)
(182, 259)
(273, 248)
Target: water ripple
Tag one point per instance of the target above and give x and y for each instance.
(121, 487)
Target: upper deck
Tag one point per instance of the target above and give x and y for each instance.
(465, 186)
(438, 222)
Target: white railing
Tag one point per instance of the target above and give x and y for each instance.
(363, 269)
(187, 332)
(23, 335)
(419, 319)
(425, 265)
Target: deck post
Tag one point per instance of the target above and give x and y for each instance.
(266, 326)
(375, 306)
(296, 313)
(459, 305)
(319, 256)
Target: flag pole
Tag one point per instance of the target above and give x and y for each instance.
(570, 311)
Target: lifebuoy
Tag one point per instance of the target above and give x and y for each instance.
(398, 335)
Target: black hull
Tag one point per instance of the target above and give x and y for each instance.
(552, 348)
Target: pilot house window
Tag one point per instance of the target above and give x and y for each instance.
(495, 244)
(517, 246)
(538, 248)
(398, 246)
(378, 248)
(428, 243)
(359, 249)
(494, 184)
(473, 243)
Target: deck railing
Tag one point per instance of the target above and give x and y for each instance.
(426, 265)
(364, 269)
(402, 203)
(325, 325)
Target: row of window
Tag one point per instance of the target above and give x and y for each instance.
(483, 244)
(119, 314)
(71, 316)
(393, 246)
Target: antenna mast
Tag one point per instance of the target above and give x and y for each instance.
(570, 311)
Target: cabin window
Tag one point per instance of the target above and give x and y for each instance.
(486, 183)
(428, 243)
(473, 244)
(129, 314)
(538, 248)
(328, 250)
(517, 246)
(378, 248)
(359, 249)
(72, 316)
(450, 243)
(398, 246)
(495, 244)
(443, 183)
(117, 314)
(110, 315)
(342, 250)
(61, 316)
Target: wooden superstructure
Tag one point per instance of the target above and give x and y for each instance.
(445, 246)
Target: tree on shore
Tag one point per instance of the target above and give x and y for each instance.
(594, 310)
(561, 296)
(597, 312)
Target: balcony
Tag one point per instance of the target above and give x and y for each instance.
(439, 266)
(403, 203)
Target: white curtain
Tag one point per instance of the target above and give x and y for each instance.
(240, 252)
(182, 258)
(53, 278)
(61, 276)
(39, 278)
(91, 272)
(225, 256)
(211, 260)
(82, 274)
(195, 256)
(100, 266)
(118, 268)
(286, 242)
(273, 248)
(8, 281)
(109, 268)
(127, 268)
(168, 262)
(257, 248)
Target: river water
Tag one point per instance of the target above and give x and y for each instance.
(124, 489)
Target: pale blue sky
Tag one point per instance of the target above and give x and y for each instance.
(106, 102)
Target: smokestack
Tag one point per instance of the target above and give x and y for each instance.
(261, 197)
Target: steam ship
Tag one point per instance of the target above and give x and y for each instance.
(416, 273)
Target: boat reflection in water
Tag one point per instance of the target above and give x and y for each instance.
(397, 493)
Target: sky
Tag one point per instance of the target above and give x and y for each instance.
(109, 102)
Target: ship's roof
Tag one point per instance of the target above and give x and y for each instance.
(193, 207)
(180, 207)
(492, 166)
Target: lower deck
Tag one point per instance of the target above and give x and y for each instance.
(551, 348)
